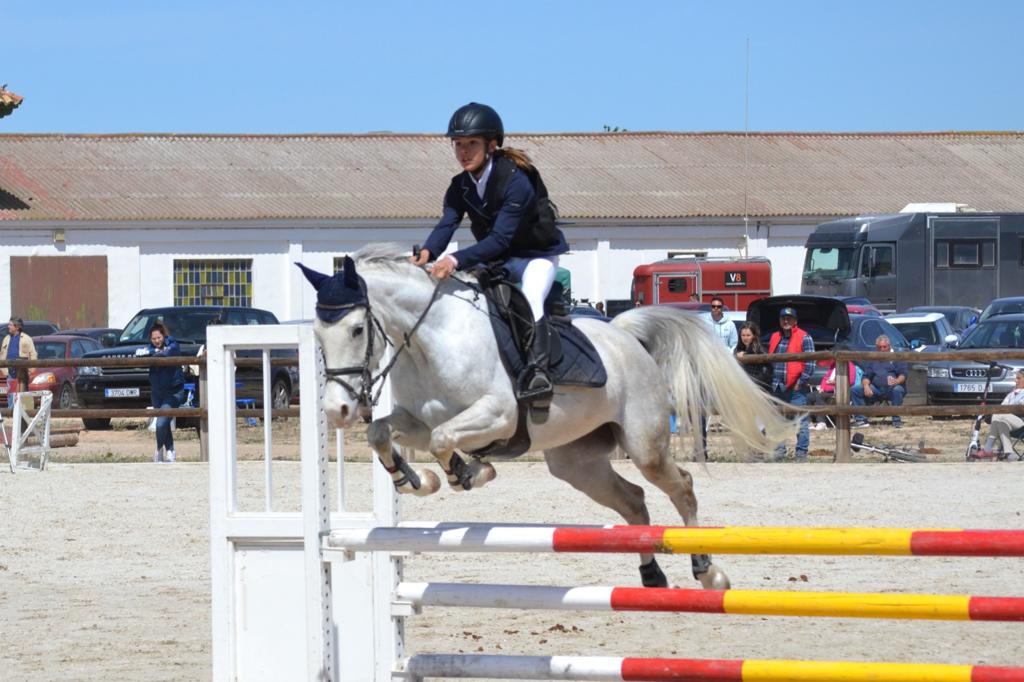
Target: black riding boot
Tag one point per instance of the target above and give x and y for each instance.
(537, 386)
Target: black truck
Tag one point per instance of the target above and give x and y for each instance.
(128, 387)
(911, 259)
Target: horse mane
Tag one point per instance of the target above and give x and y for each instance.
(390, 256)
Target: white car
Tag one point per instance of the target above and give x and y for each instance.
(926, 332)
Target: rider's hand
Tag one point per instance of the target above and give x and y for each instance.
(868, 393)
(444, 267)
(423, 258)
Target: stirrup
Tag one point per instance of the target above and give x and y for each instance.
(527, 391)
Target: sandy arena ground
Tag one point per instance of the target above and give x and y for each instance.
(104, 568)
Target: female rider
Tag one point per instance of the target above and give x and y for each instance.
(167, 387)
(512, 221)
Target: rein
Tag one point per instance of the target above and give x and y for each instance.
(365, 396)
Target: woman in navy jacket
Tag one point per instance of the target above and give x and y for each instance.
(167, 387)
(511, 218)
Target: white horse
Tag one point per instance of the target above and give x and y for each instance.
(451, 391)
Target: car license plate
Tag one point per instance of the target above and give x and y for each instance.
(121, 393)
(968, 388)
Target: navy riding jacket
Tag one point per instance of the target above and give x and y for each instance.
(517, 201)
(164, 382)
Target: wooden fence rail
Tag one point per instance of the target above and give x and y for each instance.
(841, 410)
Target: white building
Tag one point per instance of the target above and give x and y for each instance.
(152, 220)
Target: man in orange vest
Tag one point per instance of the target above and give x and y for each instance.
(791, 380)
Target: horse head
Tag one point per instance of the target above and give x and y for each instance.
(352, 342)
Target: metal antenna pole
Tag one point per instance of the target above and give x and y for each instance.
(746, 152)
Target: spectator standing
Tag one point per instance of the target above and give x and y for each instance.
(167, 387)
(750, 344)
(724, 329)
(791, 380)
(599, 306)
(17, 345)
(882, 380)
(1003, 424)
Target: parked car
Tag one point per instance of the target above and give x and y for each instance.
(128, 387)
(58, 380)
(1003, 306)
(107, 336)
(855, 300)
(960, 317)
(928, 332)
(692, 306)
(960, 382)
(34, 328)
(858, 305)
(871, 310)
(829, 323)
(587, 310)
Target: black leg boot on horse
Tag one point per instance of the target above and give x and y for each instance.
(535, 385)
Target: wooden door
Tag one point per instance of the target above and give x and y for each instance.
(68, 290)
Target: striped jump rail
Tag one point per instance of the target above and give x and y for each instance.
(745, 602)
(680, 540)
(455, 666)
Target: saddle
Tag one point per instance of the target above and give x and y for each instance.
(574, 360)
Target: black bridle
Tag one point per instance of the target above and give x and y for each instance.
(365, 396)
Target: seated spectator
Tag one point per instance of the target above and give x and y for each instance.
(826, 393)
(882, 380)
(1003, 424)
(750, 344)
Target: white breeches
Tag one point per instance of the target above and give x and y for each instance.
(536, 275)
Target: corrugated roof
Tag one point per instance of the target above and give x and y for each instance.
(616, 175)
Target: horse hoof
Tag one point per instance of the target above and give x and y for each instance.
(714, 579)
(482, 473)
(429, 484)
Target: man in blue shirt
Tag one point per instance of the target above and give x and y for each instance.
(883, 380)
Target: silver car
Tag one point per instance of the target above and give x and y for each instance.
(953, 382)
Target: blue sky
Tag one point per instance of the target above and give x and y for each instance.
(403, 66)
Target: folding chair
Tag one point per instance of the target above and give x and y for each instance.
(1018, 444)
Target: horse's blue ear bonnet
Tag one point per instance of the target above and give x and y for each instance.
(338, 294)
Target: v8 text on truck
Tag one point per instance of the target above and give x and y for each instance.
(738, 281)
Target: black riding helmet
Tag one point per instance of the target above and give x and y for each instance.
(476, 119)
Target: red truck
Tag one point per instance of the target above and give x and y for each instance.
(738, 281)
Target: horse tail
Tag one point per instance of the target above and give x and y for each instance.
(705, 378)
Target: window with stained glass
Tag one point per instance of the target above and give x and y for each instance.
(213, 282)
